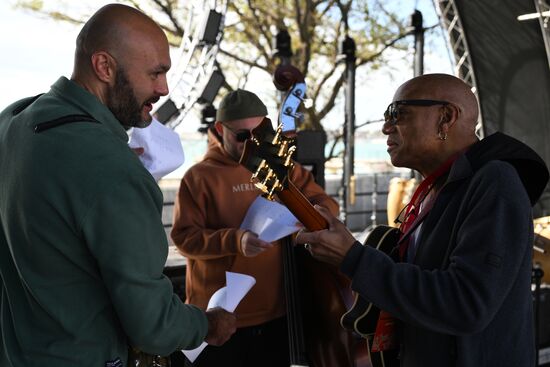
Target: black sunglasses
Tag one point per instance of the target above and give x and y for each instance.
(392, 112)
(241, 135)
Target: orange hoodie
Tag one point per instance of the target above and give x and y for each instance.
(213, 199)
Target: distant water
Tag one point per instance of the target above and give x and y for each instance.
(368, 149)
(365, 150)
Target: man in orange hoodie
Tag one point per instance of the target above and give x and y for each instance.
(213, 199)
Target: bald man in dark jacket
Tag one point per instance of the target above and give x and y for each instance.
(461, 295)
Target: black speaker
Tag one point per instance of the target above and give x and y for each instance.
(167, 111)
(211, 87)
(310, 153)
(211, 28)
(282, 44)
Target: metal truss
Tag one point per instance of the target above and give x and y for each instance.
(195, 59)
(450, 19)
(543, 8)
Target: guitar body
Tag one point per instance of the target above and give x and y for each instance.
(363, 316)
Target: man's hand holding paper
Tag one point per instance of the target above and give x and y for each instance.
(270, 220)
(224, 299)
(252, 245)
(221, 325)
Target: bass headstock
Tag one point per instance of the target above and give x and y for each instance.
(268, 155)
(289, 79)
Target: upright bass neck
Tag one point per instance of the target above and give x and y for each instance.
(300, 206)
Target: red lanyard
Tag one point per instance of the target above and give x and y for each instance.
(411, 210)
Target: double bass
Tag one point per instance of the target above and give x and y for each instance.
(317, 293)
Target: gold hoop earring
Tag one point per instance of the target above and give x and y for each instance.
(441, 135)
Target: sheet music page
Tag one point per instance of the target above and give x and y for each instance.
(228, 298)
(270, 220)
(163, 152)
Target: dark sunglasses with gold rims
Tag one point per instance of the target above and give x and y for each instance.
(241, 135)
(392, 112)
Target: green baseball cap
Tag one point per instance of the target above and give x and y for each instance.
(240, 104)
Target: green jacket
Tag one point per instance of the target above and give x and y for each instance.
(82, 245)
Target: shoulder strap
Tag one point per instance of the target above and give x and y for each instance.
(43, 126)
(52, 123)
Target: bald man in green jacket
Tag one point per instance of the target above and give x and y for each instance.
(82, 245)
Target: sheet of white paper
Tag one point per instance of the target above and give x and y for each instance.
(163, 152)
(228, 298)
(269, 220)
(237, 287)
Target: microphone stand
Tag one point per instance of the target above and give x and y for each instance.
(347, 191)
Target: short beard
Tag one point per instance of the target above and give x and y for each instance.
(122, 102)
(232, 151)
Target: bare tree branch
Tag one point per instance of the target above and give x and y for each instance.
(323, 81)
(169, 11)
(243, 60)
(251, 37)
(307, 34)
(332, 98)
(363, 61)
(258, 25)
(335, 142)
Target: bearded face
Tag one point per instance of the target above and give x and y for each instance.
(124, 104)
